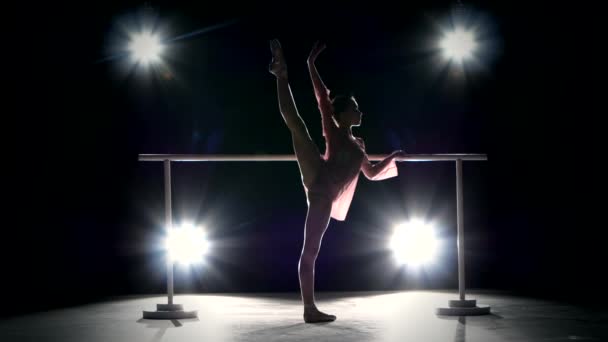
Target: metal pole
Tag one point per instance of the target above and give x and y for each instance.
(169, 226)
(170, 310)
(460, 218)
(291, 157)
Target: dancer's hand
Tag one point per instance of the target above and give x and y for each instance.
(316, 50)
(277, 66)
(399, 154)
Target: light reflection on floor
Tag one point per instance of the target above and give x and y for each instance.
(362, 316)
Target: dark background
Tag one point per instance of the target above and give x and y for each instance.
(83, 218)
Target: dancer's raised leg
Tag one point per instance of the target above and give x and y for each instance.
(307, 152)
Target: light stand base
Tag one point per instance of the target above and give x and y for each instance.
(467, 307)
(170, 311)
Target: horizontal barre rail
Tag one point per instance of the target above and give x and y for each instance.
(291, 157)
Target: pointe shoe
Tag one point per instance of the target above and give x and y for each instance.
(316, 316)
(277, 66)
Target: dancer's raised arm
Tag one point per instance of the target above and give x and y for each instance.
(321, 91)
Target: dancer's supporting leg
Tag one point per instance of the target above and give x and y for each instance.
(309, 162)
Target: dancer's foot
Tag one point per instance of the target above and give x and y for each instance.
(277, 66)
(313, 315)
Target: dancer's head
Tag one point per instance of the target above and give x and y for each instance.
(346, 111)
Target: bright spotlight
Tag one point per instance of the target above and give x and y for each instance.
(145, 47)
(414, 243)
(458, 44)
(186, 244)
